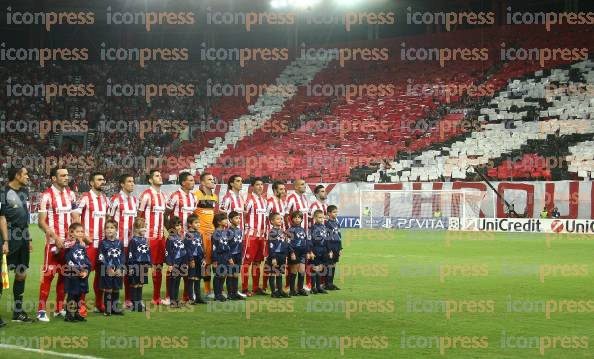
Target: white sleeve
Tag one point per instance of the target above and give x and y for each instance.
(82, 204)
(44, 203)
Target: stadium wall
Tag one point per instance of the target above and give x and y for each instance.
(574, 199)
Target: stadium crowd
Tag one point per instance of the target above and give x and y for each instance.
(31, 136)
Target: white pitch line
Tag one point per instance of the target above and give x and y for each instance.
(47, 352)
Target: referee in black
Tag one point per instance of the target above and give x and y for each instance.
(15, 237)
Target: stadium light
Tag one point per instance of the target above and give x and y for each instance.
(347, 3)
(355, 3)
(303, 4)
(279, 4)
(299, 4)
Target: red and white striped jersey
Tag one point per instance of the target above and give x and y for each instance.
(58, 205)
(318, 205)
(123, 210)
(152, 205)
(182, 205)
(299, 203)
(279, 206)
(233, 202)
(93, 213)
(256, 211)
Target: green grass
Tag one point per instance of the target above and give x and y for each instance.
(383, 273)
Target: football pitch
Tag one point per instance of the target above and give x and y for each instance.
(403, 294)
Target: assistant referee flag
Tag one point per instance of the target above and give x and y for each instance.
(5, 282)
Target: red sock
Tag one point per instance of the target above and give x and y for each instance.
(98, 292)
(287, 275)
(157, 279)
(83, 304)
(255, 276)
(245, 277)
(126, 289)
(44, 289)
(186, 296)
(308, 275)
